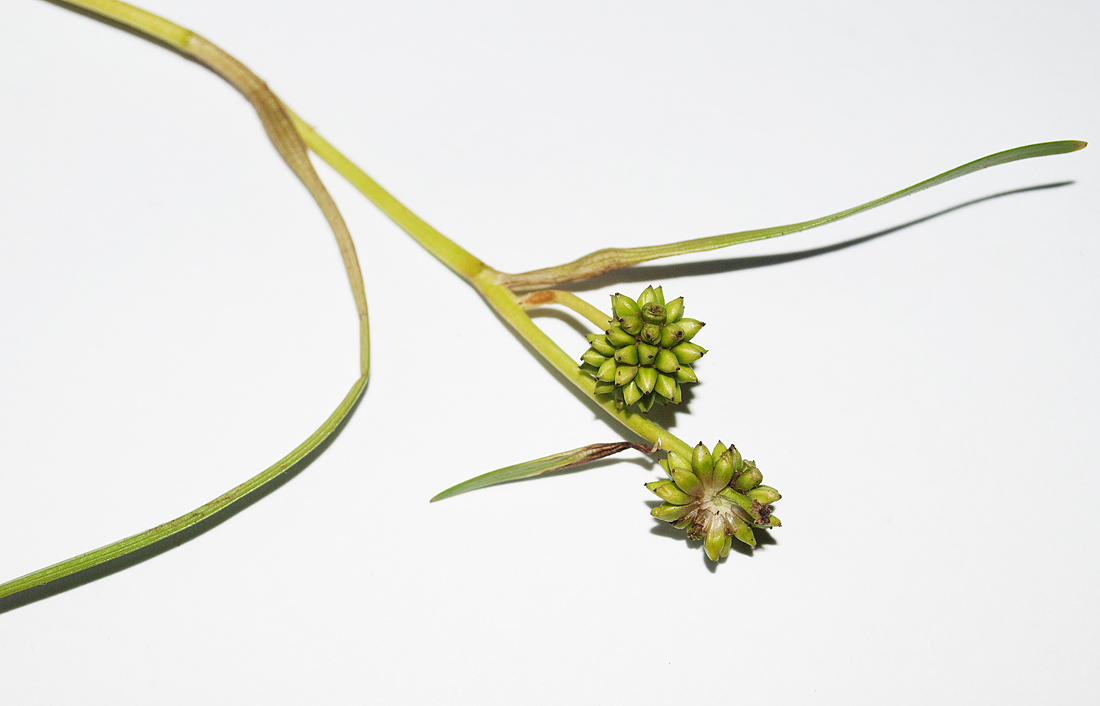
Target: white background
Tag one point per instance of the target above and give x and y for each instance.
(174, 318)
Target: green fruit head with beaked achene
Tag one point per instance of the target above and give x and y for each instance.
(716, 496)
(646, 353)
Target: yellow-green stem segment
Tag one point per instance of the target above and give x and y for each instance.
(506, 303)
(293, 151)
(277, 122)
(569, 300)
(487, 281)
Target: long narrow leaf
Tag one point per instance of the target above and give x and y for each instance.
(279, 127)
(610, 259)
(555, 462)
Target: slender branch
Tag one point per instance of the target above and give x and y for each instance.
(277, 123)
(486, 280)
(293, 151)
(506, 303)
(443, 248)
(567, 299)
(610, 259)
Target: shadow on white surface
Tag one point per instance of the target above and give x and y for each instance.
(657, 273)
(53, 588)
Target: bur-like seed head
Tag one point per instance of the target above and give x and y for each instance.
(646, 345)
(713, 499)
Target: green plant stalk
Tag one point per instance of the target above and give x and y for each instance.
(569, 300)
(443, 248)
(506, 303)
(484, 278)
(487, 281)
(496, 287)
(291, 148)
(276, 120)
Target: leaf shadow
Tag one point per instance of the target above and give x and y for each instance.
(657, 273)
(666, 415)
(80, 578)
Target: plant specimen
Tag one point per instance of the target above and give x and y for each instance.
(642, 350)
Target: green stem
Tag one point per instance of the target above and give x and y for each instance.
(506, 303)
(443, 248)
(486, 280)
(157, 27)
(285, 136)
(293, 151)
(569, 300)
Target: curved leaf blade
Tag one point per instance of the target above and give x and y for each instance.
(610, 259)
(529, 469)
